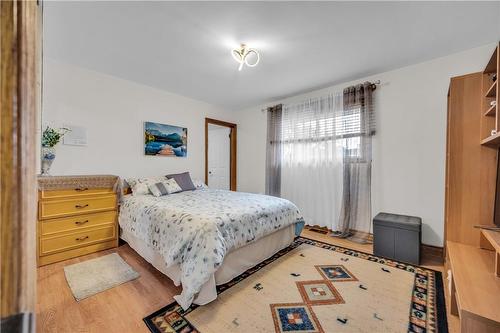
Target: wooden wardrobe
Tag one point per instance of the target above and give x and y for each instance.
(471, 168)
(473, 254)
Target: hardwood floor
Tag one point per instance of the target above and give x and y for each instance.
(119, 309)
(122, 308)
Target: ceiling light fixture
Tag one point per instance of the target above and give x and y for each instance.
(245, 56)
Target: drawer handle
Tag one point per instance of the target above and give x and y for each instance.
(81, 238)
(81, 222)
(81, 206)
(81, 189)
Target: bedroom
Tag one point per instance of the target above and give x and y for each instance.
(250, 166)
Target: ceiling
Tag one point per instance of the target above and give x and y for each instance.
(184, 47)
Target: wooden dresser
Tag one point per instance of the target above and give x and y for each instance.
(77, 215)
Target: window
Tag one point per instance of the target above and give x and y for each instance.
(348, 128)
(342, 127)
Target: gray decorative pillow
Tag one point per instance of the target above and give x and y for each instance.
(165, 187)
(184, 181)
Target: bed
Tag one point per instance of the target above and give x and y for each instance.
(206, 237)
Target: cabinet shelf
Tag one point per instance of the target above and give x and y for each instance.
(492, 141)
(476, 300)
(492, 91)
(492, 111)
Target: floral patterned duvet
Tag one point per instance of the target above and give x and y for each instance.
(196, 229)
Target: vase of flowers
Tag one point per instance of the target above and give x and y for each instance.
(50, 138)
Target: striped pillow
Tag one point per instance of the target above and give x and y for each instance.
(164, 187)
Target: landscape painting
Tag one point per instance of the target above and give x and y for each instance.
(165, 140)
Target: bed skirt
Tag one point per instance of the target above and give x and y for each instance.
(235, 262)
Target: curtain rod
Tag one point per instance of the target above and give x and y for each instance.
(375, 83)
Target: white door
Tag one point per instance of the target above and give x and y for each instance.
(219, 149)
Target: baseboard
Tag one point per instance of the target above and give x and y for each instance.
(427, 251)
(320, 230)
(363, 234)
(433, 252)
(325, 231)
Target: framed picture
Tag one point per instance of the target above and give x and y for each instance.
(76, 136)
(165, 140)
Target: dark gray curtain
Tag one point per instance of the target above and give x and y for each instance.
(273, 151)
(355, 214)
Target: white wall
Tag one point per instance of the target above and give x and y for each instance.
(410, 144)
(409, 147)
(113, 111)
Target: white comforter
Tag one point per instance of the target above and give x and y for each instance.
(195, 229)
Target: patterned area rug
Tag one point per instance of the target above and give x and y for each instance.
(313, 287)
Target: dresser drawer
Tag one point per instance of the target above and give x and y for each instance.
(76, 252)
(76, 192)
(60, 208)
(63, 243)
(75, 223)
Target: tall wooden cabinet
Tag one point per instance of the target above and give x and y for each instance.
(473, 139)
(471, 168)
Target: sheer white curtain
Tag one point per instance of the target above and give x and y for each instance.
(312, 159)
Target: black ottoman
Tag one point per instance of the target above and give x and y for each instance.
(397, 237)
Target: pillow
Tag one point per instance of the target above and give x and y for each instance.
(139, 186)
(184, 181)
(140, 189)
(199, 184)
(165, 187)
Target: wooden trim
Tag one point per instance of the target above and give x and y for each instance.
(233, 149)
(465, 76)
(427, 251)
(219, 122)
(326, 231)
(431, 251)
(19, 101)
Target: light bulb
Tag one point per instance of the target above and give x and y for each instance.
(244, 55)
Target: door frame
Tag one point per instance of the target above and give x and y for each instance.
(232, 154)
(20, 90)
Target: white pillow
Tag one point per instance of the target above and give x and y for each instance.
(139, 186)
(199, 184)
(164, 187)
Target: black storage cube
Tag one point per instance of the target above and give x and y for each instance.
(397, 237)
